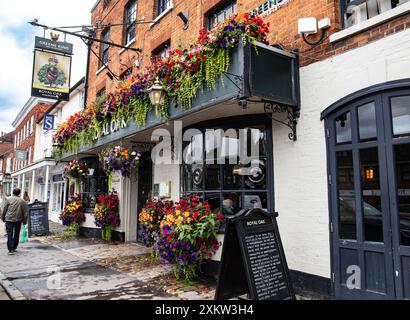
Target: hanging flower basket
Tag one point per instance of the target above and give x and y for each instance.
(76, 170)
(118, 159)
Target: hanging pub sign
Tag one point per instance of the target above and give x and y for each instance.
(51, 69)
(21, 155)
(253, 261)
(55, 46)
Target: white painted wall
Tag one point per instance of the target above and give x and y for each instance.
(300, 167)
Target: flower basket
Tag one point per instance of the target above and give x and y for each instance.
(76, 170)
(187, 236)
(118, 159)
(106, 214)
(73, 213)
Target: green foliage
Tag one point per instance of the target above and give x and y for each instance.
(45, 75)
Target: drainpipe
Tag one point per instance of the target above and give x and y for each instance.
(86, 75)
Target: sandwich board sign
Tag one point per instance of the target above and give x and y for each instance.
(253, 261)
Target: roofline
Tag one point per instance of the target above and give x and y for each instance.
(95, 5)
(27, 106)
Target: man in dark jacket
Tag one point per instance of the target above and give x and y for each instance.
(15, 212)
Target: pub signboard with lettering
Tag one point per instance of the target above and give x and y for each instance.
(51, 69)
(253, 261)
(38, 223)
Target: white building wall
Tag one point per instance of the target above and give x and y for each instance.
(301, 194)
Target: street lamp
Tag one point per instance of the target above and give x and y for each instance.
(156, 94)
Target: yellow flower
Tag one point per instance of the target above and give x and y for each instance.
(177, 212)
(186, 214)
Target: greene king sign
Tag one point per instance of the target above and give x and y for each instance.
(268, 7)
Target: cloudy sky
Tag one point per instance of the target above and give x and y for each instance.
(17, 42)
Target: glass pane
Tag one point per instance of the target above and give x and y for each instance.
(186, 178)
(400, 110)
(256, 200)
(343, 128)
(213, 177)
(232, 203)
(346, 195)
(371, 195)
(255, 175)
(231, 181)
(402, 158)
(197, 174)
(367, 121)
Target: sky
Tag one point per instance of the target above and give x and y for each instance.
(17, 44)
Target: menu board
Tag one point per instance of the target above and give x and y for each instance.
(253, 261)
(38, 218)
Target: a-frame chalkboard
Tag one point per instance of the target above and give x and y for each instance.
(38, 222)
(253, 261)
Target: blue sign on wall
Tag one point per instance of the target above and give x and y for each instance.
(48, 122)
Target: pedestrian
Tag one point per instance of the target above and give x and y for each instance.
(15, 213)
(26, 198)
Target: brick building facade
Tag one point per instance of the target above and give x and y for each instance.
(341, 189)
(168, 29)
(24, 138)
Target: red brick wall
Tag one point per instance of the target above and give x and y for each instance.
(284, 31)
(38, 111)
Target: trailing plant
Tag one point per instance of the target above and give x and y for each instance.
(118, 159)
(183, 73)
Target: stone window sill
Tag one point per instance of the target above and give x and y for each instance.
(157, 19)
(129, 44)
(372, 22)
(100, 70)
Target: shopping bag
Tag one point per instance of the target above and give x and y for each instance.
(24, 237)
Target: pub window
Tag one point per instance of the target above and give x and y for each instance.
(221, 14)
(163, 5)
(105, 36)
(212, 170)
(129, 23)
(101, 94)
(357, 11)
(162, 51)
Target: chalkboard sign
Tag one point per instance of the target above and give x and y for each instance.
(38, 218)
(253, 261)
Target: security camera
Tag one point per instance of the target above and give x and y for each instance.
(307, 26)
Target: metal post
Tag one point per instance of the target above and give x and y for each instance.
(23, 185)
(33, 181)
(46, 182)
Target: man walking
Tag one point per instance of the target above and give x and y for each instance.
(15, 212)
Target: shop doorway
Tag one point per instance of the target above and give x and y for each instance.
(144, 185)
(369, 178)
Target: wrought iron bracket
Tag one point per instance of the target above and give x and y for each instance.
(272, 108)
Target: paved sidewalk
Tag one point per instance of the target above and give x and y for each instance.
(51, 269)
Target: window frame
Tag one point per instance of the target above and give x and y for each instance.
(128, 23)
(160, 49)
(163, 6)
(219, 9)
(344, 4)
(104, 48)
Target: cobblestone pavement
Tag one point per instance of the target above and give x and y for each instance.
(55, 267)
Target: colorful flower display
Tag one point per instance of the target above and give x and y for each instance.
(106, 214)
(76, 170)
(106, 210)
(182, 74)
(151, 217)
(118, 159)
(73, 211)
(187, 236)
